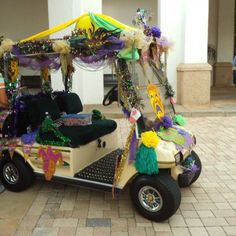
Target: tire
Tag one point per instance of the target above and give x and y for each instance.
(199, 165)
(184, 181)
(111, 96)
(163, 188)
(15, 174)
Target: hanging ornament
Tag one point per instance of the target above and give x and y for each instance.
(156, 101)
(50, 159)
(13, 70)
(134, 115)
(45, 74)
(46, 83)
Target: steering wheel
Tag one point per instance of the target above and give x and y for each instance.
(111, 96)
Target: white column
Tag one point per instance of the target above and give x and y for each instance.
(89, 85)
(196, 31)
(185, 23)
(225, 47)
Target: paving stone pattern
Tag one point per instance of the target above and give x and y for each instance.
(208, 207)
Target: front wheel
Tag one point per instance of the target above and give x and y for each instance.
(156, 197)
(185, 180)
(15, 174)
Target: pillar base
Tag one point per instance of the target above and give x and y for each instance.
(193, 84)
(223, 74)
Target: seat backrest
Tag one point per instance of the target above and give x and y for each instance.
(69, 103)
(37, 109)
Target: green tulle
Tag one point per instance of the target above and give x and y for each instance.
(146, 161)
(129, 54)
(179, 120)
(103, 23)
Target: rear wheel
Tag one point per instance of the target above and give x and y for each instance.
(156, 197)
(15, 174)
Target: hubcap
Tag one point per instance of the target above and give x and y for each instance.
(150, 198)
(10, 173)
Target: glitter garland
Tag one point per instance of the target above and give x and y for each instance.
(124, 156)
(49, 126)
(127, 89)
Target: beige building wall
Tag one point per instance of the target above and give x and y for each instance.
(213, 22)
(22, 18)
(125, 11)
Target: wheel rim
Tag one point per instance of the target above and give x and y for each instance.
(150, 198)
(10, 173)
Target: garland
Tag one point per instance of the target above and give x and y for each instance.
(124, 157)
(49, 127)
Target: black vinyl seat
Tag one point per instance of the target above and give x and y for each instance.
(68, 103)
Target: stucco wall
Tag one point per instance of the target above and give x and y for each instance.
(22, 18)
(124, 10)
(213, 22)
(225, 48)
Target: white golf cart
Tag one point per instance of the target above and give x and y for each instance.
(48, 135)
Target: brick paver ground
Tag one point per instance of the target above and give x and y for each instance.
(208, 207)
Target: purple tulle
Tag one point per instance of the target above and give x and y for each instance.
(28, 138)
(99, 57)
(126, 113)
(114, 44)
(156, 32)
(51, 62)
(133, 148)
(157, 125)
(194, 168)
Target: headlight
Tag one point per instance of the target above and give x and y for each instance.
(178, 158)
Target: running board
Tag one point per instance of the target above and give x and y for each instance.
(103, 170)
(98, 175)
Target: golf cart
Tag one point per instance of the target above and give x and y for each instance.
(47, 134)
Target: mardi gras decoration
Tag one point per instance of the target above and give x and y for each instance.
(61, 46)
(155, 99)
(127, 91)
(172, 135)
(146, 157)
(165, 122)
(181, 138)
(5, 45)
(179, 120)
(13, 70)
(50, 130)
(27, 141)
(188, 165)
(124, 156)
(50, 159)
(46, 86)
